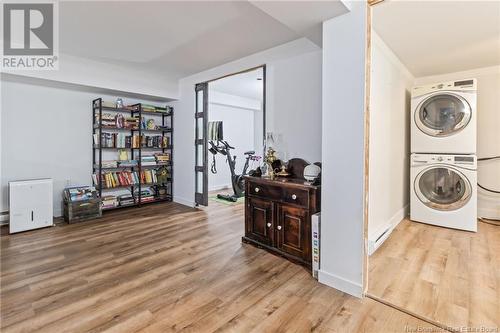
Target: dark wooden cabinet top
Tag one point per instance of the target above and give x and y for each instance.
(283, 182)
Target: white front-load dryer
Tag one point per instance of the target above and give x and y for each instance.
(444, 118)
(443, 190)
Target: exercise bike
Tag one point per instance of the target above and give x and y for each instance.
(237, 181)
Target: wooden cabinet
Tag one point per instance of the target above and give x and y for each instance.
(278, 216)
(293, 235)
(259, 224)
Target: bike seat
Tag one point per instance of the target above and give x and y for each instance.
(250, 152)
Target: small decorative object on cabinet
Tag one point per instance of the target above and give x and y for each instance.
(134, 174)
(30, 204)
(278, 215)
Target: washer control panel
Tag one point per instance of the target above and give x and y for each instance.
(465, 160)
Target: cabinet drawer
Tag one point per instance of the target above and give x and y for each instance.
(296, 196)
(265, 191)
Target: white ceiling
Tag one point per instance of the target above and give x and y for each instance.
(243, 84)
(437, 37)
(304, 17)
(180, 38)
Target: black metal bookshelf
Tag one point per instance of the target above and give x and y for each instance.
(135, 110)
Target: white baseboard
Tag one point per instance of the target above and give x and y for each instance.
(488, 213)
(4, 218)
(184, 202)
(379, 237)
(344, 285)
(219, 187)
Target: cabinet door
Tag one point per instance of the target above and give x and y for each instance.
(259, 221)
(293, 232)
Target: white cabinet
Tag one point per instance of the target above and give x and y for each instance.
(30, 204)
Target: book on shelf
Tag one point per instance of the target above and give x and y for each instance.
(147, 194)
(148, 160)
(162, 158)
(127, 163)
(125, 199)
(108, 104)
(125, 178)
(109, 201)
(114, 105)
(109, 164)
(155, 141)
(122, 140)
(154, 108)
(117, 121)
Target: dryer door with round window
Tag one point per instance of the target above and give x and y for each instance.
(443, 114)
(443, 188)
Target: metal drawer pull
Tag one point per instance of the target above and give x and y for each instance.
(279, 227)
(257, 190)
(269, 225)
(294, 196)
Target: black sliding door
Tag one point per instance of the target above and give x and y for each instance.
(200, 143)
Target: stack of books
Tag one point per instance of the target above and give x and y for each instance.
(127, 164)
(153, 108)
(109, 164)
(108, 120)
(126, 199)
(148, 160)
(131, 122)
(162, 158)
(107, 104)
(109, 201)
(147, 195)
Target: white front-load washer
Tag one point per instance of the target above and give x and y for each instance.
(443, 190)
(444, 118)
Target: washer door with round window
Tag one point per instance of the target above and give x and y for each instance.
(443, 114)
(442, 188)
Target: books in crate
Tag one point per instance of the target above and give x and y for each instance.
(79, 193)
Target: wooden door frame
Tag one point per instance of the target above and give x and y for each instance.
(366, 181)
(264, 102)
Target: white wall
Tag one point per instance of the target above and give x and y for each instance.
(390, 96)
(279, 74)
(238, 115)
(488, 135)
(297, 110)
(342, 193)
(91, 73)
(46, 131)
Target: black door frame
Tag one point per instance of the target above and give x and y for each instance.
(202, 198)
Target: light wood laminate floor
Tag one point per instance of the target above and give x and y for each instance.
(448, 276)
(169, 268)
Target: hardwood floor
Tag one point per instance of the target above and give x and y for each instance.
(448, 276)
(168, 268)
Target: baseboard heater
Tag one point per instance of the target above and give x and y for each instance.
(374, 245)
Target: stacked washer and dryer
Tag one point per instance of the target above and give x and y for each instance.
(443, 163)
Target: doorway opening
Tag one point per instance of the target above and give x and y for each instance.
(230, 134)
